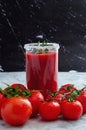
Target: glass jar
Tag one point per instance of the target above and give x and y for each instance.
(42, 67)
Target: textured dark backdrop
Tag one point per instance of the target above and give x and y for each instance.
(60, 21)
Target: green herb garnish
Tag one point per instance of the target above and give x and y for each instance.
(46, 50)
(43, 44)
(42, 47)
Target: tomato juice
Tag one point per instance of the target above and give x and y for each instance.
(42, 71)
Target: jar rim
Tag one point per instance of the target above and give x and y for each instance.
(38, 45)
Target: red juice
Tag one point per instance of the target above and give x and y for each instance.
(41, 71)
(42, 67)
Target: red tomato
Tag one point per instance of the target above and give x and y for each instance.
(20, 86)
(16, 110)
(16, 85)
(36, 98)
(55, 96)
(71, 110)
(1, 101)
(15, 90)
(49, 110)
(82, 91)
(82, 98)
(67, 88)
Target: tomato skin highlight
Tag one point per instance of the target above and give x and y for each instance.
(49, 111)
(16, 110)
(71, 110)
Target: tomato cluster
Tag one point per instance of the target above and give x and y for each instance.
(18, 104)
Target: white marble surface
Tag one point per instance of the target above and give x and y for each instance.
(76, 78)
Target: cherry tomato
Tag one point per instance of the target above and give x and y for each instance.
(82, 98)
(35, 98)
(67, 88)
(55, 96)
(71, 110)
(20, 86)
(16, 85)
(16, 110)
(1, 101)
(83, 91)
(49, 110)
(15, 90)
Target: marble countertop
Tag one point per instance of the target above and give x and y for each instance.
(77, 78)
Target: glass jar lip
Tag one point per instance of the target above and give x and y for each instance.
(38, 45)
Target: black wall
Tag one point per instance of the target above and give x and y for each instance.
(60, 21)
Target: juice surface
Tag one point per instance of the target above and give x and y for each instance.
(41, 71)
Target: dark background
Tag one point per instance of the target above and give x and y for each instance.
(60, 21)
